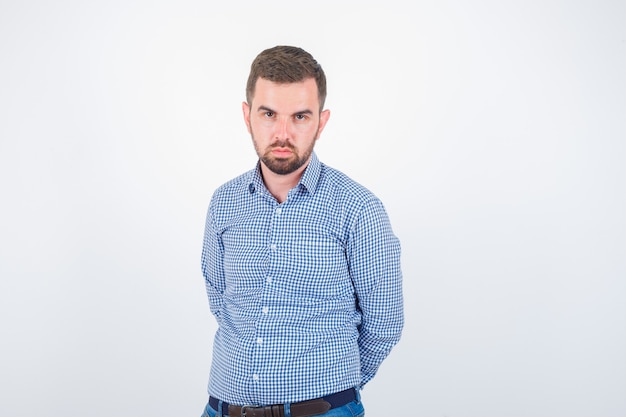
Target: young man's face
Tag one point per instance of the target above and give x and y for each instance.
(284, 121)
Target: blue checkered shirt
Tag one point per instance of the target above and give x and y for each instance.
(307, 294)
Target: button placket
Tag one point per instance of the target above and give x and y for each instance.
(274, 260)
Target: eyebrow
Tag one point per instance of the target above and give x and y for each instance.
(265, 108)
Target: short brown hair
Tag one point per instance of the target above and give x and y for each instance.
(286, 64)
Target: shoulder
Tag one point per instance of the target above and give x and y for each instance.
(361, 214)
(345, 188)
(232, 195)
(234, 186)
(352, 203)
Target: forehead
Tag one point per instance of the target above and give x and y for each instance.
(301, 93)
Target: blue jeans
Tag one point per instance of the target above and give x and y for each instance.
(352, 409)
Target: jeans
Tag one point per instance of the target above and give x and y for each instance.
(352, 409)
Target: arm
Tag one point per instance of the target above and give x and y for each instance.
(213, 264)
(374, 262)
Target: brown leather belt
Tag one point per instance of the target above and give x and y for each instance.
(300, 409)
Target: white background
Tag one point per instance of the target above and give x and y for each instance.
(493, 131)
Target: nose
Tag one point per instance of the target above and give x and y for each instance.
(282, 129)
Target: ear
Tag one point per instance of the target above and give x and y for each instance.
(246, 115)
(324, 116)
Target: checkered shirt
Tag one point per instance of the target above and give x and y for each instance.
(307, 294)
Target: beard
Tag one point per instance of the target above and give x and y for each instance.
(284, 166)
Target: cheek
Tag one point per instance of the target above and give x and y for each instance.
(262, 125)
(256, 129)
(306, 129)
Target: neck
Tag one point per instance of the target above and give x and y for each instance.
(280, 185)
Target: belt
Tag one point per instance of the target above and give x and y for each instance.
(299, 409)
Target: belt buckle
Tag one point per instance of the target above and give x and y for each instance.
(243, 409)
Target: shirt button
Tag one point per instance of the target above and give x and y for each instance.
(265, 310)
(279, 210)
(269, 280)
(259, 340)
(273, 246)
(255, 377)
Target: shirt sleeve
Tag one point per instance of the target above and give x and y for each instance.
(213, 264)
(374, 260)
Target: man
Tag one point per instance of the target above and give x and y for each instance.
(302, 268)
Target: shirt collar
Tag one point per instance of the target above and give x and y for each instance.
(309, 180)
(311, 176)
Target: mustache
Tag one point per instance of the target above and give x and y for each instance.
(282, 144)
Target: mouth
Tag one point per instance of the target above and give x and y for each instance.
(282, 152)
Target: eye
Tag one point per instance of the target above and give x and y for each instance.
(300, 116)
(269, 114)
